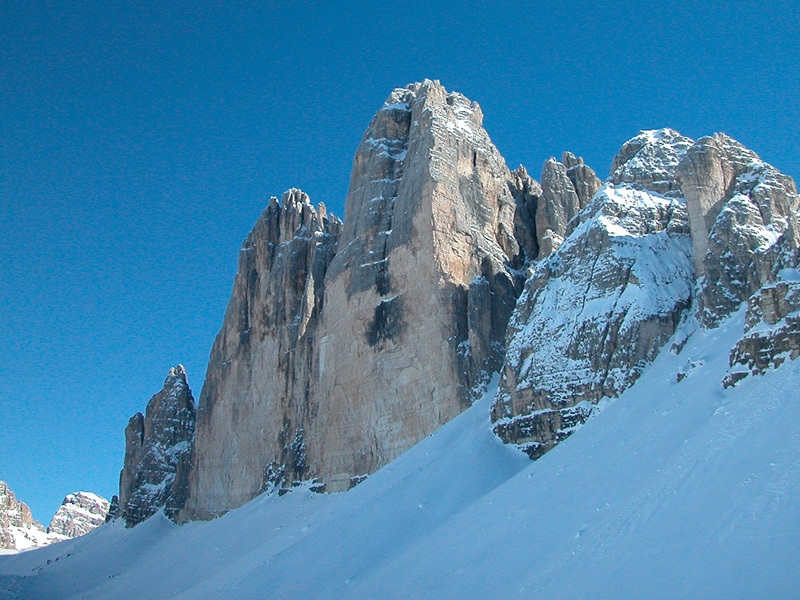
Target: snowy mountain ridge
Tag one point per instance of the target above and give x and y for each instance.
(78, 514)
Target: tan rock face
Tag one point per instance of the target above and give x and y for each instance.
(739, 207)
(328, 367)
(418, 296)
(256, 404)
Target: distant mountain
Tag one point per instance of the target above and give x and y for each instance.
(78, 514)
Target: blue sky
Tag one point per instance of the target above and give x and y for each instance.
(139, 141)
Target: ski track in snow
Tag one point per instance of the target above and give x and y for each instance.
(674, 490)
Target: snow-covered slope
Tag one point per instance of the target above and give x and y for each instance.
(676, 489)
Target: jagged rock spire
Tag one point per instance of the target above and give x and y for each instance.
(157, 446)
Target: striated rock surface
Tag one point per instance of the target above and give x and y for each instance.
(256, 405)
(593, 315)
(567, 187)
(772, 329)
(78, 514)
(18, 529)
(157, 448)
(420, 291)
(344, 345)
(739, 207)
(649, 161)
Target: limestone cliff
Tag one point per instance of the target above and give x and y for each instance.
(343, 346)
(346, 343)
(418, 296)
(593, 315)
(256, 404)
(157, 445)
(649, 161)
(567, 187)
(598, 311)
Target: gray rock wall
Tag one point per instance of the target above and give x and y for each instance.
(593, 315)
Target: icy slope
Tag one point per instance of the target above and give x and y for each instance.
(676, 489)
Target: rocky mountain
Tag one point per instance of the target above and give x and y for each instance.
(744, 219)
(18, 529)
(598, 311)
(344, 344)
(157, 452)
(255, 400)
(78, 514)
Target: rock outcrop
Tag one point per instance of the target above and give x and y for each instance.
(739, 207)
(344, 344)
(575, 338)
(650, 160)
(593, 315)
(18, 529)
(419, 294)
(157, 450)
(78, 514)
(772, 329)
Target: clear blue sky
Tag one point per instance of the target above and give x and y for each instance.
(139, 141)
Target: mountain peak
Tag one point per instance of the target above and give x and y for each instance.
(650, 159)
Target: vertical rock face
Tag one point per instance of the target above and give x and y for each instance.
(418, 296)
(157, 445)
(739, 207)
(344, 345)
(583, 177)
(78, 514)
(255, 405)
(567, 187)
(527, 194)
(18, 529)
